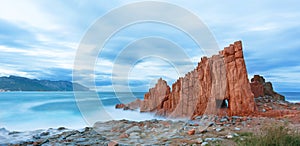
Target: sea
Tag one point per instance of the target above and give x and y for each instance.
(23, 111)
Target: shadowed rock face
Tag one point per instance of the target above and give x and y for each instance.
(261, 88)
(217, 79)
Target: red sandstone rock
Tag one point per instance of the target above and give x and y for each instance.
(257, 89)
(204, 90)
(191, 132)
(220, 77)
(154, 99)
(131, 106)
(261, 88)
(134, 105)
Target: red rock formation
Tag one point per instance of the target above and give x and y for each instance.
(121, 105)
(257, 89)
(261, 88)
(155, 97)
(131, 106)
(241, 99)
(257, 86)
(203, 90)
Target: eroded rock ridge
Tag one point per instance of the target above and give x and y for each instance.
(218, 85)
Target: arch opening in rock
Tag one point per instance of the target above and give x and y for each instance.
(223, 104)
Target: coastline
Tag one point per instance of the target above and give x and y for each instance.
(223, 130)
(277, 112)
(202, 130)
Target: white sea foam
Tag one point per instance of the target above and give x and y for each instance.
(14, 137)
(30, 120)
(133, 115)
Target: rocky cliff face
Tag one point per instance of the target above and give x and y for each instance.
(217, 85)
(261, 88)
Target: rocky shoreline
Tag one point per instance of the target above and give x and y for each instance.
(202, 130)
(224, 131)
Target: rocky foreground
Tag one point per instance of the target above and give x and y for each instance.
(203, 130)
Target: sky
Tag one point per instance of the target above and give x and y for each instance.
(39, 39)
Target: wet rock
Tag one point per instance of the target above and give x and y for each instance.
(44, 133)
(13, 132)
(36, 137)
(61, 128)
(120, 106)
(204, 144)
(154, 121)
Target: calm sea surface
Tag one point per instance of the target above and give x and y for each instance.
(41, 110)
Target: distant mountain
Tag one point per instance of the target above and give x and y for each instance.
(15, 83)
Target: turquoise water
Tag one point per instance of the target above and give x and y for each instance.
(41, 110)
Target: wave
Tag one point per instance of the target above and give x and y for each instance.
(132, 115)
(14, 137)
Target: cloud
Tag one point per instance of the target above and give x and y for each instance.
(27, 14)
(13, 35)
(38, 39)
(283, 78)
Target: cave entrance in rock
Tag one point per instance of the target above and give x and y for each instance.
(222, 103)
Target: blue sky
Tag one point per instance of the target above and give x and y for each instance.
(38, 39)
